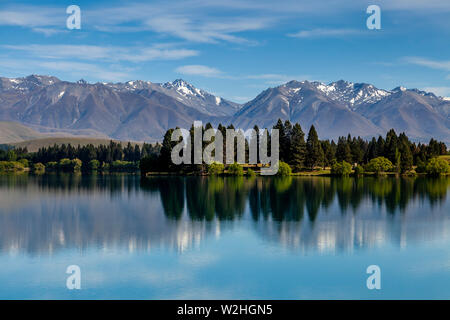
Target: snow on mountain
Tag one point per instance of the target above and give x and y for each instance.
(183, 92)
(26, 84)
(143, 111)
(200, 99)
(352, 94)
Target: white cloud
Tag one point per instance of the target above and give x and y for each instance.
(439, 91)
(434, 64)
(48, 31)
(90, 52)
(32, 16)
(75, 69)
(324, 33)
(199, 70)
(205, 30)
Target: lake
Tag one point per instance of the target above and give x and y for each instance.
(223, 238)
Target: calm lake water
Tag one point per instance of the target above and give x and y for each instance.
(223, 238)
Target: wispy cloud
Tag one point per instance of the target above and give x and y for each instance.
(32, 16)
(48, 31)
(197, 29)
(434, 64)
(90, 52)
(76, 69)
(325, 33)
(200, 70)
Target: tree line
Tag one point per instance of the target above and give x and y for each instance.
(299, 151)
(306, 152)
(65, 157)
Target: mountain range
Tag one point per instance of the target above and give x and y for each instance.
(143, 111)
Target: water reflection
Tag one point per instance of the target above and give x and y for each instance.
(41, 214)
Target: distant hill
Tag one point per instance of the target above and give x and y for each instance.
(14, 132)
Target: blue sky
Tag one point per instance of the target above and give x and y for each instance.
(231, 48)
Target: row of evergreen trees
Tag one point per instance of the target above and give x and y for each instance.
(109, 153)
(300, 151)
(307, 152)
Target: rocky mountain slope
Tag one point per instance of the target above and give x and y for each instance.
(143, 111)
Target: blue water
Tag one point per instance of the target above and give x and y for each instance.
(223, 238)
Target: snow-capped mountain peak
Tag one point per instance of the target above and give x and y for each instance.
(26, 84)
(184, 88)
(352, 94)
(203, 101)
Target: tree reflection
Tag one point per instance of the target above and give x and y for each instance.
(42, 213)
(287, 198)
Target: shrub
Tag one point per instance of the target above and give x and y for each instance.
(10, 166)
(235, 169)
(436, 167)
(68, 165)
(284, 169)
(24, 162)
(421, 167)
(359, 170)
(123, 166)
(51, 166)
(105, 166)
(379, 164)
(251, 172)
(93, 165)
(342, 168)
(215, 168)
(38, 167)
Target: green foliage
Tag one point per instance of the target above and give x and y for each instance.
(166, 163)
(11, 155)
(68, 165)
(103, 152)
(148, 164)
(284, 169)
(359, 170)
(51, 166)
(93, 165)
(379, 164)
(123, 166)
(437, 167)
(215, 168)
(38, 167)
(406, 157)
(251, 172)
(11, 166)
(24, 162)
(342, 168)
(235, 169)
(298, 148)
(314, 152)
(343, 152)
(105, 166)
(329, 152)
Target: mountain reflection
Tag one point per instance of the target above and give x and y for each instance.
(41, 214)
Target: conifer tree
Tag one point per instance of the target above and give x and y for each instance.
(314, 152)
(298, 148)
